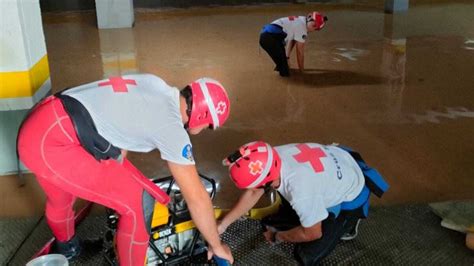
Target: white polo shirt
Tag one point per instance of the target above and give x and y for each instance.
(294, 27)
(137, 113)
(316, 177)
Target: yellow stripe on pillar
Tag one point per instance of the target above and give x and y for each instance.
(121, 64)
(24, 83)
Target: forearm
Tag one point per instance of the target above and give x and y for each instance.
(289, 48)
(300, 55)
(198, 201)
(296, 235)
(202, 213)
(300, 59)
(248, 199)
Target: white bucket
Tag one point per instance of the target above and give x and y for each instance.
(49, 260)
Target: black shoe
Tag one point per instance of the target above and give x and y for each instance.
(70, 249)
(352, 233)
(284, 74)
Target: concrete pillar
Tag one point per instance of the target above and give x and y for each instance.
(114, 14)
(392, 6)
(117, 49)
(24, 71)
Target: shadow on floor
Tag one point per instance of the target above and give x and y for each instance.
(329, 78)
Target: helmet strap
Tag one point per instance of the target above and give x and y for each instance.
(233, 157)
(267, 188)
(188, 97)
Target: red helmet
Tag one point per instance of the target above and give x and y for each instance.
(253, 165)
(210, 103)
(318, 18)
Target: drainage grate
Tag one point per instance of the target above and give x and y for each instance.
(401, 235)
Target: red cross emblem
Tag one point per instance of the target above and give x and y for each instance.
(118, 84)
(221, 106)
(256, 167)
(311, 155)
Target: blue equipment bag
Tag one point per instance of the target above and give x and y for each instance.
(374, 182)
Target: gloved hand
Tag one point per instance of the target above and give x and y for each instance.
(222, 252)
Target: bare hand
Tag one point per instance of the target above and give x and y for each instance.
(268, 236)
(122, 156)
(222, 251)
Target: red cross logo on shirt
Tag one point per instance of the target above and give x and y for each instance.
(311, 155)
(118, 84)
(255, 167)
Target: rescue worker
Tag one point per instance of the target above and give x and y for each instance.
(76, 142)
(280, 37)
(324, 189)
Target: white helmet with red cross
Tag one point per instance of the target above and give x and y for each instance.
(318, 18)
(253, 165)
(210, 103)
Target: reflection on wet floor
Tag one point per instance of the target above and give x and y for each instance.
(469, 45)
(397, 88)
(117, 49)
(435, 117)
(349, 53)
(429, 116)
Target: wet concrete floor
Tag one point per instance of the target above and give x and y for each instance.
(397, 88)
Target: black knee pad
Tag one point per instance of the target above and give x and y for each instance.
(148, 206)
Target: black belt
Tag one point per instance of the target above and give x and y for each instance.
(86, 131)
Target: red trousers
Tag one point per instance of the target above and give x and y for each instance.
(49, 147)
